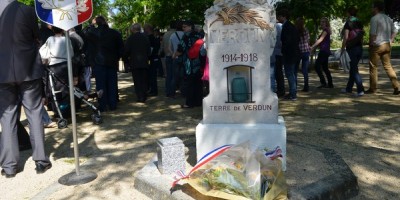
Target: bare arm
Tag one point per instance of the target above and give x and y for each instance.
(372, 38)
(392, 37)
(345, 37)
(320, 39)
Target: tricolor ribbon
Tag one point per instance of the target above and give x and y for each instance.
(205, 159)
(277, 152)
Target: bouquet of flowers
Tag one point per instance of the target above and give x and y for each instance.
(235, 172)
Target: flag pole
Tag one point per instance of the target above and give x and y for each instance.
(72, 102)
(79, 177)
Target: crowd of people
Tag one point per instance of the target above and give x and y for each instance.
(293, 48)
(97, 49)
(41, 80)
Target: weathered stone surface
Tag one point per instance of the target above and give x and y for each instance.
(171, 155)
(240, 36)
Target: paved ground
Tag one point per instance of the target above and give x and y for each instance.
(364, 131)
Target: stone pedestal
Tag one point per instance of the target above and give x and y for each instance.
(240, 38)
(211, 136)
(171, 155)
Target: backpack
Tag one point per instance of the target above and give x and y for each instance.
(194, 50)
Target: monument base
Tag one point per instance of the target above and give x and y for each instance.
(211, 136)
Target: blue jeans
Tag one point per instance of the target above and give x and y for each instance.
(107, 80)
(179, 76)
(272, 76)
(305, 60)
(280, 79)
(170, 83)
(289, 73)
(355, 54)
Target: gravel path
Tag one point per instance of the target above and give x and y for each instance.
(364, 131)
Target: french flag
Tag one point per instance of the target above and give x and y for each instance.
(205, 159)
(64, 14)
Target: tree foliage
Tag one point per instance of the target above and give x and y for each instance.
(159, 13)
(393, 9)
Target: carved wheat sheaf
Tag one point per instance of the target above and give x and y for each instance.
(241, 14)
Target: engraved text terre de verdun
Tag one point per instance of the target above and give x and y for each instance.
(235, 36)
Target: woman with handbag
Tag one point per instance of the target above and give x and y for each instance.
(352, 43)
(54, 55)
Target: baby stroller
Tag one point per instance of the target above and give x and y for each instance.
(64, 107)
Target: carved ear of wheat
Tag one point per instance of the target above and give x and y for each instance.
(241, 14)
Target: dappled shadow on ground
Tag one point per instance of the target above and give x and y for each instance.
(124, 142)
(364, 131)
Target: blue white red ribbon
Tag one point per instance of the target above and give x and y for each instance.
(277, 152)
(205, 159)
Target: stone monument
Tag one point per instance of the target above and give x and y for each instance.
(240, 38)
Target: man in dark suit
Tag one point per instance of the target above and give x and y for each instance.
(290, 51)
(21, 75)
(136, 54)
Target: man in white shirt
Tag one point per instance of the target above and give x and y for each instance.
(382, 33)
(170, 73)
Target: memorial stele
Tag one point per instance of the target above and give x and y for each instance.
(240, 37)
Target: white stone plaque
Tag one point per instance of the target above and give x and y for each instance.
(240, 36)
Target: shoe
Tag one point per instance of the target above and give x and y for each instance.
(40, 169)
(344, 91)
(186, 106)
(330, 86)
(51, 125)
(396, 91)
(322, 86)
(305, 89)
(369, 91)
(3, 173)
(359, 94)
(289, 98)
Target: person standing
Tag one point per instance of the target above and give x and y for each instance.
(136, 54)
(108, 51)
(290, 51)
(175, 40)
(352, 41)
(324, 44)
(305, 52)
(277, 62)
(191, 65)
(154, 60)
(382, 33)
(54, 52)
(170, 86)
(20, 82)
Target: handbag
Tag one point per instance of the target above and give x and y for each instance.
(44, 52)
